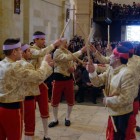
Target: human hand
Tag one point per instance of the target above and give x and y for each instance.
(104, 100)
(51, 63)
(48, 57)
(84, 49)
(109, 48)
(89, 84)
(92, 48)
(57, 43)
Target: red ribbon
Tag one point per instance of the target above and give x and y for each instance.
(131, 51)
(120, 55)
(120, 45)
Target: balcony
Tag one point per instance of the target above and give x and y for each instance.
(116, 14)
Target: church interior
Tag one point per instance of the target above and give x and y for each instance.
(80, 22)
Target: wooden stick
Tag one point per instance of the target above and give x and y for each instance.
(45, 86)
(65, 48)
(104, 95)
(74, 78)
(114, 126)
(64, 29)
(108, 34)
(49, 32)
(81, 29)
(73, 55)
(87, 44)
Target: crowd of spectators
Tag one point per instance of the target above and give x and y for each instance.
(118, 10)
(82, 85)
(82, 82)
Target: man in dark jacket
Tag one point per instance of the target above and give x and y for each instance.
(86, 84)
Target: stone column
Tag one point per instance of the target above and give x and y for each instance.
(26, 19)
(83, 17)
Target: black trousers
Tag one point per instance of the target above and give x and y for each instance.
(83, 88)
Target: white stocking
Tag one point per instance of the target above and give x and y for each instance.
(45, 126)
(69, 109)
(55, 113)
(28, 137)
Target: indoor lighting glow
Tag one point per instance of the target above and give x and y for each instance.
(133, 33)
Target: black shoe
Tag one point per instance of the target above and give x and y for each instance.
(46, 138)
(80, 101)
(52, 124)
(137, 128)
(67, 122)
(94, 102)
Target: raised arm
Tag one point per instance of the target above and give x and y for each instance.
(59, 55)
(42, 52)
(35, 76)
(101, 68)
(96, 80)
(102, 59)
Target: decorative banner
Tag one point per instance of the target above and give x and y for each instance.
(67, 15)
(17, 6)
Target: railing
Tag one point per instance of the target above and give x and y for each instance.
(101, 11)
(115, 13)
(126, 13)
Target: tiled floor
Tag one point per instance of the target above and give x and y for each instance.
(88, 123)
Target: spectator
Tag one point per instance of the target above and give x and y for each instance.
(78, 76)
(86, 84)
(134, 5)
(31, 43)
(80, 67)
(70, 48)
(84, 54)
(77, 47)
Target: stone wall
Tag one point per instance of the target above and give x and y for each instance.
(73, 17)
(42, 12)
(83, 17)
(35, 15)
(84, 14)
(11, 25)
